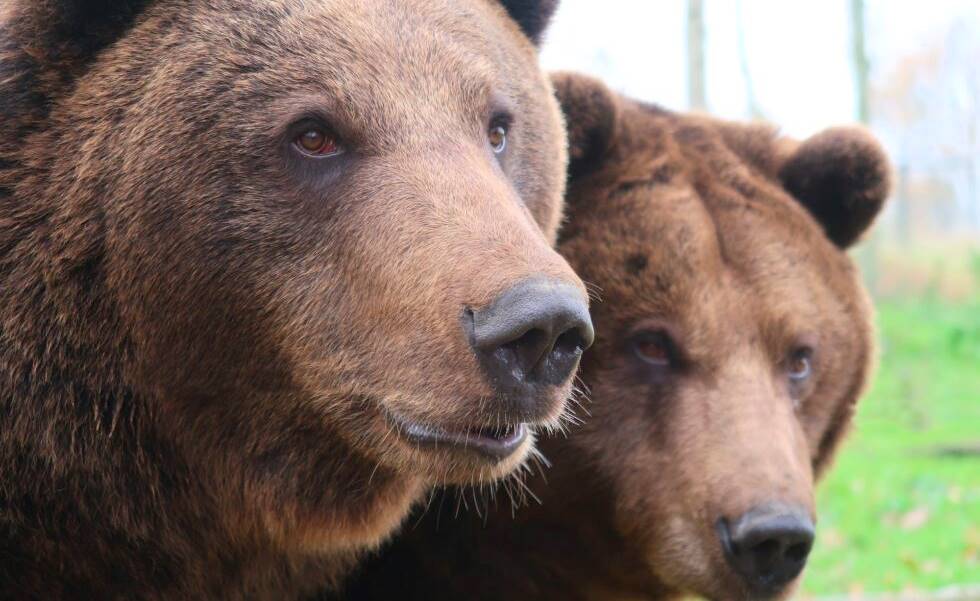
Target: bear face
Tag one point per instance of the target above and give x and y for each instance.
(274, 236)
(735, 335)
(733, 341)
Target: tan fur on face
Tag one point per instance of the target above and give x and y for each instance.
(734, 267)
(202, 334)
(682, 224)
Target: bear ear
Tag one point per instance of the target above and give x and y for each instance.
(591, 113)
(842, 177)
(532, 15)
(72, 31)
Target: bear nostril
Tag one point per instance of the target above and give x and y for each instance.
(536, 345)
(571, 341)
(529, 349)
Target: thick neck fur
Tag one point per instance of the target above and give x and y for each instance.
(95, 502)
(97, 499)
(542, 551)
(88, 508)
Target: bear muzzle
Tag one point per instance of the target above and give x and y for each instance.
(767, 546)
(529, 342)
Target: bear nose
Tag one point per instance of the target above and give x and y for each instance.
(531, 336)
(768, 546)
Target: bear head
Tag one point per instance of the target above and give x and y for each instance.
(351, 297)
(735, 336)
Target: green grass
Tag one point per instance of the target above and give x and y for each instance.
(901, 507)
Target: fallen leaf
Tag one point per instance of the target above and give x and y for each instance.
(914, 519)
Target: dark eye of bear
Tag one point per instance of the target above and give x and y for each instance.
(653, 348)
(800, 364)
(498, 138)
(317, 142)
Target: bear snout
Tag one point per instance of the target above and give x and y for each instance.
(767, 546)
(529, 340)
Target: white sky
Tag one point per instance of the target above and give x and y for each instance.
(798, 50)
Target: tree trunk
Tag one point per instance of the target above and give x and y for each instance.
(695, 55)
(755, 111)
(861, 66)
(868, 255)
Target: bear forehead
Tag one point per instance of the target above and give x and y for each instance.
(381, 40)
(386, 74)
(691, 244)
(683, 259)
(381, 55)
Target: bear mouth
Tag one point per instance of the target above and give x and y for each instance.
(492, 442)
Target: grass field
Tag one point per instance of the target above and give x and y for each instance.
(901, 508)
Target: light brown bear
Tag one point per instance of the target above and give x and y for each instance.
(269, 270)
(733, 341)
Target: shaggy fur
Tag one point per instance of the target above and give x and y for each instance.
(202, 332)
(690, 230)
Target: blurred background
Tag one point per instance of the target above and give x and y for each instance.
(900, 512)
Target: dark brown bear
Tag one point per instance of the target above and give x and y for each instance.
(734, 339)
(269, 270)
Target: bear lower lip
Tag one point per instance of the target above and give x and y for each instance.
(492, 442)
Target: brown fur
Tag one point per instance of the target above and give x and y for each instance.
(685, 226)
(200, 331)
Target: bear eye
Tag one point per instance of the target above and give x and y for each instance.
(498, 138)
(317, 142)
(653, 347)
(800, 364)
